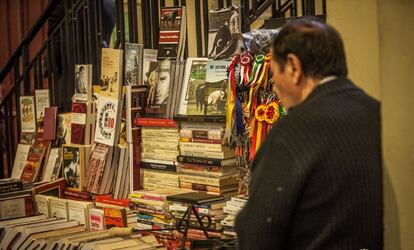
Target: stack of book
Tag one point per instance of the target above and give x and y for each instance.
(231, 209)
(39, 232)
(153, 211)
(204, 163)
(159, 147)
(16, 199)
(206, 205)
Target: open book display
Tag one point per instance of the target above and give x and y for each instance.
(156, 134)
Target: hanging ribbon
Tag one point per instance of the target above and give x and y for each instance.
(231, 97)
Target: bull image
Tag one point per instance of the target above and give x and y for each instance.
(169, 17)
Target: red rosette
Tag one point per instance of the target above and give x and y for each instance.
(272, 113)
(260, 112)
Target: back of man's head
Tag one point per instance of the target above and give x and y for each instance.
(318, 46)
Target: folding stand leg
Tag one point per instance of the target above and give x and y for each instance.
(186, 218)
(200, 222)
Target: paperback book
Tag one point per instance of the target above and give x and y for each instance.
(83, 83)
(133, 63)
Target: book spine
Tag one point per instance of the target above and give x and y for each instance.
(153, 122)
(231, 210)
(136, 159)
(170, 146)
(199, 187)
(11, 187)
(202, 154)
(198, 160)
(202, 134)
(201, 146)
(160, 175)
(161, 167)
(188, 139)
(200, 180)
(148, 182)
(158, 156)
(160, 134)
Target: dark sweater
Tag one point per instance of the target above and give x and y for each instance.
(317, 178)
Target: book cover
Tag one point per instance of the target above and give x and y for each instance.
(170, 24)
(149, 55)
(224, 33)
(35, 160)
(20, 160)
(10, 185)
(133, 63)
(215, 88)
(58, 208)
(136, 102)
(51, 188)
(195, 73)
(111, 72)
(63, 133)
(72, 166)
(42, 97)
(50, 123)
(195, 91)
(17, 207)
(107, 121)
(159, 86)
(43, 205)
(96, 219)
(96, 166)
(27, 114)
(83, 83)
(78, 122)
(115, 217)
(78, 211)
(53, 165)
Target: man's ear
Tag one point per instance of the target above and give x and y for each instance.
(295, 67)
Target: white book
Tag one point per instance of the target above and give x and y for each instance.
(96, 219)
(27, 114)
(42, 101)
(59, 208)
(107, 120)
(53, 165)
(83, 83)
(43, 204)
(191, 63)
(78, 211)
(19, 161)
(27, 219)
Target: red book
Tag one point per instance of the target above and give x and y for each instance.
(111, 201)
(49, 123)
(136, 159)
(35, 160)
(115, 217)
(79, 111)
(154, 122)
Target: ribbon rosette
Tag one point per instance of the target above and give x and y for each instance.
(272, 113)
(260, 112)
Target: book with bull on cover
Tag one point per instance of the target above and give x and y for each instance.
(215, 88)
(195, 72)
(170, 26)
(224, 33)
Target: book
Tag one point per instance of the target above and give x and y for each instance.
(208, 188)
(133, 64)
(96, 219)
(159, 165)
(78, 211)
(203, 146)
(42, 97)
(195, 72)
(115, 217)
(108, 121)
(215, 88)
(38, 152)
(210, 181)
(53, 165)
(10, 185)
(206, 161)
(59, 208)
(96, 167)
(63, 133)
(224, 33)
(136, 102)
(27, 114)
(83, 83)
(20, 160)
(49, 123)
(76, 195)
(159, 87)
(111, 72)
(149, 55)
(16, 206)
(78, 122)
(207, 154)
(50, 188)
(194, 198)
(170, 26)
(73, 166)
(135, 160)
(43, 204)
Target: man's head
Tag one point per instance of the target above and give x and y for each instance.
(303, 53)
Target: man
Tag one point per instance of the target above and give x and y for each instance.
(316, 180)
(80, 80)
